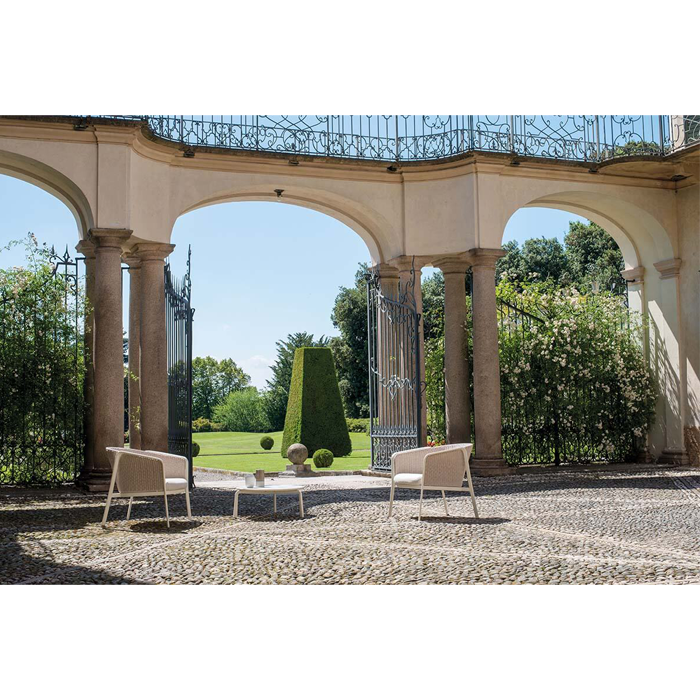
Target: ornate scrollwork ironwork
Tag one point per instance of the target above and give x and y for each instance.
(406, 138)
(394, 368)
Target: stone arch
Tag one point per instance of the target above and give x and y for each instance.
(53, 182)
(643, 241)
(372, 227)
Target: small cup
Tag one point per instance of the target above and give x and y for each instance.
(250, 480)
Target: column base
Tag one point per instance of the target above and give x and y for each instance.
(94, 483)
(678, 458)
(490, 466)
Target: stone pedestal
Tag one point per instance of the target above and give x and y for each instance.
(293, 470)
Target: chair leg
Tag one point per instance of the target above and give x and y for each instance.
(235, 505)
(128, 510)
(106, 513)
(167, 515)
(471, 492)
(420, 505)
(444, 500)
(274, 502)
(301, 505)
(187, 501)
(112, 483)
(391, 497)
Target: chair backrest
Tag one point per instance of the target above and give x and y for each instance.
(446, 465)
(137, 472)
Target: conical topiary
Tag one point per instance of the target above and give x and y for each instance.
(315, 415)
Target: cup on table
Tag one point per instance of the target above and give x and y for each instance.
(250, 480)
(260, 477)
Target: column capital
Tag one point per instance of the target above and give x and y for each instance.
(668, 268)
(86, 249)
(486, 257)
(109, 237)
(149, 251)
(385, 270)
(133, 261)
(456, 263)
(405, 263)
(633, 276)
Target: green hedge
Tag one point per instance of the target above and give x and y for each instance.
(358, 425)
(323, 458)
(315, 416)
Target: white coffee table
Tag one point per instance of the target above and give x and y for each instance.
(268, 489)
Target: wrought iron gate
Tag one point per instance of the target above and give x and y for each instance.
(394, 370)
(42, 368)
(179, 314)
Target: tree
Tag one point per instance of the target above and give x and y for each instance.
(277, 394)
(243, 411)
(433, 291)
(212, 382)
(545, 259)
(593, 257)
(315, 415)
(350, 347)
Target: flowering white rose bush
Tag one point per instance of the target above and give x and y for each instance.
(575, 386)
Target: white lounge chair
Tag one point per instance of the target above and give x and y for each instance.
(147, 473)
(442, 468)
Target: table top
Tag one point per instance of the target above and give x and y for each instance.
(270, 488)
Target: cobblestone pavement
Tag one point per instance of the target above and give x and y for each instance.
(599, 527)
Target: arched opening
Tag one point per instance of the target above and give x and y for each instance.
(55, 183)
(266, 279)
(642, 243)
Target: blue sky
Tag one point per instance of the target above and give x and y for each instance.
(260, 270)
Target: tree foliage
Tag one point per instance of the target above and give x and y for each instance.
(212, 381)
(350, 347)
(243, 411)
(277, 394)
(41, 371)
(589, 258)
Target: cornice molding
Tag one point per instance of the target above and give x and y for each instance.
(633, 276)
(668, 268)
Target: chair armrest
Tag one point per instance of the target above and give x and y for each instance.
(445, 467)
(175, 466)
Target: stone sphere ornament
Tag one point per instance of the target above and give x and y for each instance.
(297, 453)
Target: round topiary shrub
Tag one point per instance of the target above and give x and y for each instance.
(195, 449)
(266, 442)
(323, 458)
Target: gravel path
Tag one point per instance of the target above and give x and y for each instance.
(544, 528)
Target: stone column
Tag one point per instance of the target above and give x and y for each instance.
(134, 351)
(154, 349)
(457, 404)
(109, 353)
(488, 457)
(87, 250)
(405, 265)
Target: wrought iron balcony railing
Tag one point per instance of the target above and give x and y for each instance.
(401, 138)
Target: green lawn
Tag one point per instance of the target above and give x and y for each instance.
(242, 452)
